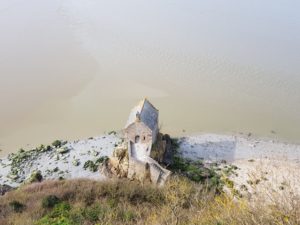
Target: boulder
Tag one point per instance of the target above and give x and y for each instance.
(76, 162)
(62, 150)
(118, 164)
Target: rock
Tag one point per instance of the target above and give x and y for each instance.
(5, 188)
(95, 153)
(252, 145)
(118, 164)
(13, 177)
(62, 150)
(76, 162)
(163, 150)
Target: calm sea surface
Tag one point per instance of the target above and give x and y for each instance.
(74, 68)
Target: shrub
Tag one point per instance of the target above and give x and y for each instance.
(112, 132)
(175, 142)
(93, 166)
(90, 165)
(93, 213)
(58, 216)
(101, 159)
(36, 177)
(57, 143)
(17, 206)
(50, 201)
(197, 172)
(21, 150)
(76, 217)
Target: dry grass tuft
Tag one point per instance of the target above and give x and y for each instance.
(123, 202)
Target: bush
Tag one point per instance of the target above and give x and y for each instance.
(36, 177)
(101, 159)
(17, 206)
(112, 132)
(93, 166)
(197, 172)
(90, 165)
(50, 201)
(58, 216)
(94, 213)
(56, 143)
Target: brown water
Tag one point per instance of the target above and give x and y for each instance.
(74, 68)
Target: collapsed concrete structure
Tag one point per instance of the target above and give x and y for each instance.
(143, 148)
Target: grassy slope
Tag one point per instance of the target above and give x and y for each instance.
(192, 196)
(181, 201)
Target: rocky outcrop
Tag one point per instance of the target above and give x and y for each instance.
(145, 169)
(162, 151)
(5, 188)
(117, 165)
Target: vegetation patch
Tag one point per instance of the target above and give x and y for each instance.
(36, 176)
(50, 201)
(94, 165)
(230, 169)
(16, 206)
(90, 165)
(197, 172)
(22, 159)
(58, 216)
(180, 201)
(57, 143)
(112, 132)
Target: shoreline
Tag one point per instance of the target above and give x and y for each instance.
(251, 165)
(207, 147)
(247, 135)
(234, 147)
